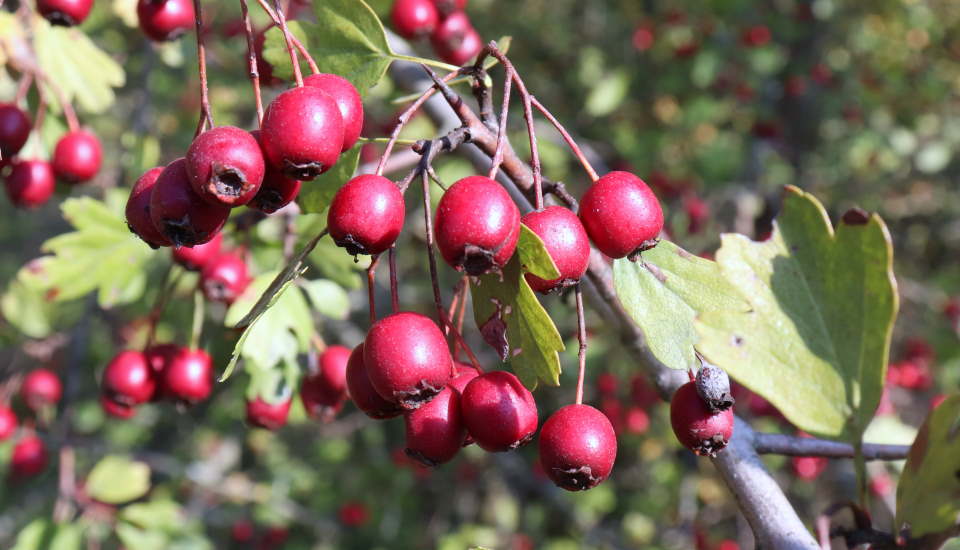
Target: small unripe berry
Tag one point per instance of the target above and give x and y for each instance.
(435, 431)
(195, 258)
(129, 379)
(29, 457)
(65, 12)
(271, 416)
(362, 392)
(703, 432)
(621, 214)
(77, 157)
(414, 18)
(302, 132)
(577, 447)
(163, 20)
(499, 412)
(567, 243)
(117, 409)
(14, 130)
(225, 166)
(30, 183)
(189, 375)
(8, 422)
(224, 278)
(366, 215)
(138, 210)
(324, 391)
(348, 101)
(41, 388)
(180, 214)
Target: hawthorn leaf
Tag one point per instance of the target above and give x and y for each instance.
(328, 298)
(315, 196)
(822, 303)
(33, 536)
(156, 514)
(118, 479)
(141, 539)
(28, 306)
(533, 254)
(67, 536)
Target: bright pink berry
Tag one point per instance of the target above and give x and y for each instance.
(15, 128)
(577, 447)
(29, 457)
(621, 214)
(808, 468)
(195, 258)
(499, 412)
(361, 391)
(276, 192)
(77, 156)
(129, 379)
(41, 388)
(180, 214)
(366, 215)
(8, 422)
(348, 101)
(477, 225)
(65, 12)
(224, 278)
(435, 431)
(30, 183)
(117, 409)
(138, 210)
(567, 243)
(225, 166)
(455, 40)
(188, 376)
(414, 18)
(163, 20)
(703, 432)
(271, 416)
(302, 132)
(324, 391)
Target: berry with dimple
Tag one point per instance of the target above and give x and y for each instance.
(366, 215)
(225, 166)
(414, 18)
(8, 422)
(195, 258)
(499, 412)
(362, 392)
(348, 101)
(77, 157)
(407, 359)
(263, 414)
(41, 388)
(323, 392)
(577, 447)
(621, 214)
(129, 379)
(117, 409)
(14, 130)
(30, 183)
(696, 427)
(138, 210)
(277, 191)
(302, 132)
(65, 12)
(477, 225)
(29, 457)
(455, 40)
(567, 243)
(188, 376)
(224, 278)
(163, 20)
(435, 431)
(180, 214)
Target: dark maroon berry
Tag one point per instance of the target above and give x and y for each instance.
(302, 132)
(323, 392)
(41, 388)
(8, 422)
(77, 157)
(129, 379)
(195, 258)
(117, 409)
(622, 215)
(188, 376)
(366, 215)
(29, 457)
(455, 40)
(414, 18)
(703, 432)
(566, 242)
(271, 416)
(65, 12)
(276, 192)
(435, 431)
(225, 166)
(180, 214)
(348, 101)
(477, 226)
(138, 210)
(14, 130)
(577, 447)
(30, 183)
(163, 20)
(224, 278)
(407, 359)
(499, 412)
(361, 391)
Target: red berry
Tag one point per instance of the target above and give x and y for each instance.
(361, 391)
(435, 431)
(163, 20)
(414, 18)
(577, 447)
(138, 210)
(77, 156)
(477, 225)
(348, 101)
(464, 375)
(117, 409)
(446, 7)
(30, 183)
(698, 429)
(29, 457)
(324, 391)
(41, 388)
(755, 36)
(698, 211)
(241, 531)
(274, 538)
(455, 40)
(353, 514)
(407, 359)
(366, 215)
(179, 213)
(65, 12)
(225, 166)
(8, 422)
(567, 243)
(302, 132)
(499, 412)
(189, 375)
(159, 356)
(621, 214)
(643, 38)
(224, 278)
(14, 130)
(607, 384)
(129, 379)
(637, 420)
(195, 258)
(808, 468)
(271, 416)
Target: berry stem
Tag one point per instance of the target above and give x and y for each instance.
(68, 112)
(296, 41)
(568, 138)
(318, 342)
(394, 291)
(252, 60)
(197, 326)
(167, 284)
(502, 129)
(582, 338)
(23, 87)
(371, 294)
(294, 60)
(206, 118)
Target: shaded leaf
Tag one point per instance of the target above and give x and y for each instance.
(315, 196)
(141, 539)
(33, 536)
(156, 514)
(118, 479)
(328, 298)
(28, 306)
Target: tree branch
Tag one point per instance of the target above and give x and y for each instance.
(790, 445)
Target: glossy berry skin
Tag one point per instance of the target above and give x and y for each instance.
(41, 388)
(224, 278)
(577, 447)
(324, 391)
(499, 412)
(435, 431)
(225, 166)
(567, 243)
(366, 215)
(276, 192)
(302, 132)
(180, 214)
(159, 356)
(703, 432)
(621, 214)
(117, 409)
(194, 258)
(348, 101)
(455, 40)
(129, 379)
(77, 157)
(407, 359)
(138, 210)
(14, 130)
(362, 392)
(8, 422)
(65, 12)
(477, 225)
(414, 18)
(464, 374)
(29, 457)
(271, 416)
(188, 376)
(163, 20)
(30, 183)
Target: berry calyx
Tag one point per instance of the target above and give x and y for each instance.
(224, 278)
(302, 132)
(225, 166)
(704, 432)
(65, 12)
(117, 409)
(362, 392)
(567, 243)
(477, 225)
(276, 191)
(188, 376)
(14, 130)
(138, 210)
(77, 156)
(621, 214)
(163, 20)
(30, 183)
(29, 457)
(348, 101)
(8, 422)
(407, 359)
(129, 379)
(194, 258)
(578, 447)
(499, 412)
(180, 214)
(414, 19)
(366, 215)
(41, 388)
(324, 391)
(263, 414)
(435, 431)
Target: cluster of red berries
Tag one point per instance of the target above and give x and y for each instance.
(451, 33)
(162, 371)
(40, 391)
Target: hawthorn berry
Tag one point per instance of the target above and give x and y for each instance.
(361, 391)
(366, 215)
(704, 432)
(242, 531)
(65, 12)
(353, 514)
(180, 214)
(117, 409)
(29, 457)
(324, 391)
(302, 132)
(407, 359)
(455, 40)
(414, 18)
(577, 447)
(188, 376)
(138, 210)
(195, 258)
(14, 130)
(129, 379)
(567, 243)
(276, 192)
(499, 412)
(263, 414)
(30, 183)
(463, 375)
(477, 225)
(435, 431)
(621, 214)
(77, 157)
(41, 388)
(224, 277)
(8, 422)
(348, 101)
(225, 166)
(163, 20)
(808, 468)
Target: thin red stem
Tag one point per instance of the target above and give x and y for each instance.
(297, 75)
(167, 285)
(206, 118)
(568, 138)
(296, 41)
(371, 294)
(502, 130)
(394, 290)
(582, 338)
(23, 87)
(252, 60)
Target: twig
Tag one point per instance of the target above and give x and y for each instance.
(568, 138)
(296, 41)
(297, 75)
(206, 118)
(582, 339)
(788, 445)
(394, 290)
(371, 294)
(252, 60)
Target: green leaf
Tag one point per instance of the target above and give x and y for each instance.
(141, 539)
(608, 93)
(928, 496)
(315, 196)
(34, 536)
(664, 291)
(67, 536)
(117, 479)
(156, 514)
(328, 298)
(275, 49)
(31, 309)
(816, 339)
(533, 254)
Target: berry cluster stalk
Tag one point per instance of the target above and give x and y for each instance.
(252, 60)
(206, 118)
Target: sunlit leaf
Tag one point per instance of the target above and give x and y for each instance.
(118, 479)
